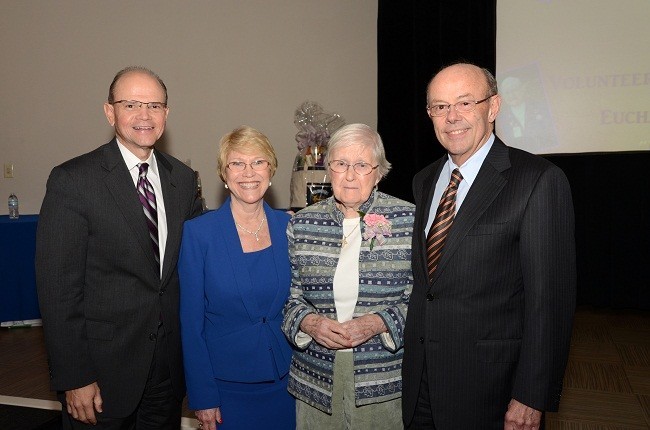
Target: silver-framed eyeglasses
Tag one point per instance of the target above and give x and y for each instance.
(134, 105)
(465, 106)
(362, 168)
(240, 166)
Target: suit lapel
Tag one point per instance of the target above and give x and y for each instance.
(486, 187)
(120, 184)
(174, 226)
(235, 255)
(278, 232)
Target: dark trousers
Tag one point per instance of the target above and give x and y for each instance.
(423, 417)
(158, 409)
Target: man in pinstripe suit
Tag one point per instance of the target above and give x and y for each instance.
(488, 328)
(107, 284)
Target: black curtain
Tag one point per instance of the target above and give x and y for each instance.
(611, 191)
(414, 40)
(611, 197)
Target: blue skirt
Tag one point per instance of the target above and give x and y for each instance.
(265, 405)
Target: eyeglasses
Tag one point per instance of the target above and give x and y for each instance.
(442, 109)
(240, 166)
(340, 166)
(133, 105)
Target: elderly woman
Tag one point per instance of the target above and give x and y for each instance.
(350, 285)
(235, 276)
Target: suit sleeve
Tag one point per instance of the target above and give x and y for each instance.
(197, 204)
(296, 308)
(202, 390)
(394, 316)
(61, 245)
(547, 250)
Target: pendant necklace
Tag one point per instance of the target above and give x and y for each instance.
(345, 236)
(254, 233)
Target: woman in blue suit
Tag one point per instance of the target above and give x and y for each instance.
(235, 276)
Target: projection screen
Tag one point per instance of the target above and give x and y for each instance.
(574, 75)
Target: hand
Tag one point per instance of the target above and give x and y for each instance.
(326, 332)
(521, 417)
(208, 418)
(363, 328)
(82, 403)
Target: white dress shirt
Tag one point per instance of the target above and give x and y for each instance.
(132, 163)
(469, 171)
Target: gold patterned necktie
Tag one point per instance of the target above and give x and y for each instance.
(442, 223)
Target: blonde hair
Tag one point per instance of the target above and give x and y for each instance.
(246, 140)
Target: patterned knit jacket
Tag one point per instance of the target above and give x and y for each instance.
(385, 284)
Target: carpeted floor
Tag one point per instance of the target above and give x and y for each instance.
(21, 418)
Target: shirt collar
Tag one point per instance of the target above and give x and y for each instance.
(132, 161)
(470, 168)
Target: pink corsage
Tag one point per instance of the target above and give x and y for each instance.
(377, 228)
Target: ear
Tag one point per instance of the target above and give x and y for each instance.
(109, 111)
(495, 106)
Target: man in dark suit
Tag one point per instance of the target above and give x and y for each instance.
(489, 320)
(107, 246)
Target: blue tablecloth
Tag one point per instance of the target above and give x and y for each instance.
(18, 301)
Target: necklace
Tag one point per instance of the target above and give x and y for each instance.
(344, 241)
(254, 233)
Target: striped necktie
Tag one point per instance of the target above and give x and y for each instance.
(148, 200)
(442, 223)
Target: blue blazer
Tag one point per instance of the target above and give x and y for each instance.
(225, 334)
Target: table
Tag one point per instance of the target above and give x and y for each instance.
(309, 186)
(18, 300)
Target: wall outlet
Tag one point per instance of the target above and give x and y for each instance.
(9, 170)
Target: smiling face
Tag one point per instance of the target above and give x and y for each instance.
(138, 130)
(248, 186)
(462, 134)
(351, 189)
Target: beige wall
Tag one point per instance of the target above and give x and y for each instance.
(225, 63)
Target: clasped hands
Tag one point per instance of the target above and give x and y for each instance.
(335, 335)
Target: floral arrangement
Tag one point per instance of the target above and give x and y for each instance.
(377, 228)
(315, 127)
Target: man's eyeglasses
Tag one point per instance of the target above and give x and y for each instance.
(442, 109)
(240, 166)
(340, 166)
(133, 105)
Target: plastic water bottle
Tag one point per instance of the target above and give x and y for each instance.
(13, 206)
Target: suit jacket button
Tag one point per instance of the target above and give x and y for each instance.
(152, 336)
(421, 339)
(430, 297)
(160, 293)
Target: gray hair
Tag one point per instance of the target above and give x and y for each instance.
(360, 134)
(491, 82)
